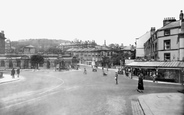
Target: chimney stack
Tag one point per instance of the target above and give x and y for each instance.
(2, 34)
(104, 42)
(152, 30)
(168, 20)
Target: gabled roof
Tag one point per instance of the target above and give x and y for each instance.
(171, 25)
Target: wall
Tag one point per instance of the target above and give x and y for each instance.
(2, 46)
(174, 55)
(172, 32)
(174, 42)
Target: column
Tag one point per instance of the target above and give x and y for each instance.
(22, 64)
(14, 63)
(6, 63)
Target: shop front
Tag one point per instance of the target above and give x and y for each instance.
(165, 71)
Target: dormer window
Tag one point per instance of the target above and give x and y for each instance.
(166, 32)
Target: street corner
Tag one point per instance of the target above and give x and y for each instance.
(162, 103)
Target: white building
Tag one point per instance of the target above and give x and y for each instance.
(140, 43)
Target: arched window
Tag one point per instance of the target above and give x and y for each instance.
(10, 64)
(2, 63)
(18, 63)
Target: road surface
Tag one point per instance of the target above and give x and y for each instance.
(46, 92)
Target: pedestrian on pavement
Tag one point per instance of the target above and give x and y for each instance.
(85, 71)
(13, 73)
(154, 77)
(140, 87)
(116, 78)
(18, 72)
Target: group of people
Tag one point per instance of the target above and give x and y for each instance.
(140, 87)
(13, 72)
(105, 74)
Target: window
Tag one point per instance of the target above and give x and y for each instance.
(2, 63)
(167, 56)
(166, 32)
(167, 44)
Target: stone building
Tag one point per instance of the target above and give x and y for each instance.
(165, 51)
(2, 42)
(167, 43)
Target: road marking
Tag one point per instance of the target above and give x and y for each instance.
(12, 81)
(36, 98)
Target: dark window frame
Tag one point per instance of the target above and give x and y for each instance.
(165, 57)
(165, 47)
(167, 32)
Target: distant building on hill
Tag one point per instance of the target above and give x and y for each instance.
(78, 44)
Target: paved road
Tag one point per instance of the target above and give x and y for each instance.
(74, 93)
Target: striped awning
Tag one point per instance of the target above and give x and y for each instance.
(157, 64)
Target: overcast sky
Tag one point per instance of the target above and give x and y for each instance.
(116, 21)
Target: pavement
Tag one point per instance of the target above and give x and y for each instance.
(151, 104)
(8, 78)
(162, 104)
(158, 103)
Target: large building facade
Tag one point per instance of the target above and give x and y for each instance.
(167, 43)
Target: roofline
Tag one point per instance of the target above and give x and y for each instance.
(168, 28)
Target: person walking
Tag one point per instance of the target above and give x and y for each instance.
(116, 78)
(140, 87)
(13, 73)
(85, 71)
(154, 77)
(18, 72)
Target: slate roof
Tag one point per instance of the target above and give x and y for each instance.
(171, 25)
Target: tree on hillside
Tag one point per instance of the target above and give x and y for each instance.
(54, 50)
(40, 44)
(36, 60)
(114, 46)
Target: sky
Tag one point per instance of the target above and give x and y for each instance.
(116, 21)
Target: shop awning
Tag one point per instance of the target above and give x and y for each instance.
(157, 64)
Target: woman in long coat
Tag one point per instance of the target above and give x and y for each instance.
(140, 83)
(13, 72)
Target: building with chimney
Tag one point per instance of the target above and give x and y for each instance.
(167, 42)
